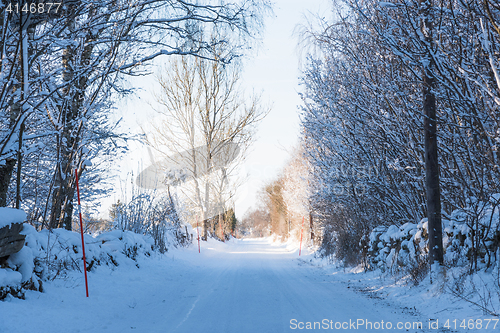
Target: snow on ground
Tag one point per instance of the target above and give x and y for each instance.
(251, 285)
(431, 301)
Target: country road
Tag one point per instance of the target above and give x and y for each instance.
(243, 286)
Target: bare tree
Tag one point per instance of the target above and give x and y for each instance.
(206, 119)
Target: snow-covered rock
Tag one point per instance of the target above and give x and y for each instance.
(404, 248)
(11, 224)
(11, 215)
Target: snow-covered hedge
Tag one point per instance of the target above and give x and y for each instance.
(471, 234)
(11, 215)
(50, 254)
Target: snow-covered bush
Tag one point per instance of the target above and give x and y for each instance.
(51, 254)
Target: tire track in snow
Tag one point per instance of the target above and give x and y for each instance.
(189, 313)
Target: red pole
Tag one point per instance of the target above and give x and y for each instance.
(81, 232)
(301, 232)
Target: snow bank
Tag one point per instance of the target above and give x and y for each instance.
(11, 215)
(51, 254)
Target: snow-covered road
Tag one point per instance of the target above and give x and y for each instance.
(244, 286)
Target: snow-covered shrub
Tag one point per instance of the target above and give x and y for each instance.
(51, 254)
(18, 274)
(60, 250)
(153, 216)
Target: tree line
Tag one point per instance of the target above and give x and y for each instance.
(62, 73)
(373, 76)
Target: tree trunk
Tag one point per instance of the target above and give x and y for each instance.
(206, 211)
(64, 189)
(311, 227)
(15, 111)
(432, 187)
(5, 175)
(221, 226)
(204, 236)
